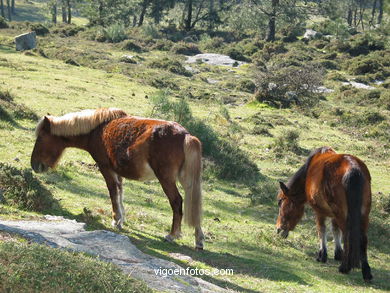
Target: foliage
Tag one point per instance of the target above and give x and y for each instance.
(229, 161)
(115, 33)
(287, 141)
(284, 87)
(3, 23)
(131, 45)
(185, 48)
(173, 66)
(20, 188)
(39, 29)
(36, 268)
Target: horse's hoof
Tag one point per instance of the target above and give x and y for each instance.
(199, 248)
(338, 254)
(322, 256)
(116, 225)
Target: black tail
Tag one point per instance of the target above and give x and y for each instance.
(354, 184)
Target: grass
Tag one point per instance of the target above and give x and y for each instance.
(37, 268)
(238, 219)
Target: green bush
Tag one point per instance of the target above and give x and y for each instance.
(3, 23)
(163, 45)
(246, 85)
(228, 160)
(185, 48)
(363, 44)
(210, 44)
(115, 33)
(67, 30)
(364, 66)
(20, 188)
(236, 54)
(131, 45)
(39, 29)
(287, 141)
(173, 66)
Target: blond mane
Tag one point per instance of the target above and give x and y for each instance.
(78, 123)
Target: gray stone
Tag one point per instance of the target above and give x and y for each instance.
(311, 34)
(26, 41)
(214, 59)
(111, 247)
(359, 85)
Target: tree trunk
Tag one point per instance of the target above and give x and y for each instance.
(63, 11)
(134, 20)
(100, 9)
(349, 16)
(53, 13)
(9, 10)
(69, 5)
(188, 19)
(380, 14)
(145, 4)
(371, 22)
(272, 22)
(13, 6)
(2, 8)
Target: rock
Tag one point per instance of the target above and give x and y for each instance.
(128, 59)
(359, 85)
(311, 34)
(26, 41)
(114, 248)
(214, 59)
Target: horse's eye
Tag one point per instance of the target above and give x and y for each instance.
(280, 202)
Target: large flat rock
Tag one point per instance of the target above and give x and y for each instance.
(111, 247)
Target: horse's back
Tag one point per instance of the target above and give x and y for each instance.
(326, 182)
(135, 145)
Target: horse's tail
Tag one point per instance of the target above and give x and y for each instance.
(190, 178)
(354, 184)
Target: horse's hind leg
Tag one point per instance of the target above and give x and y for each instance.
(321, 229)
(338, 250)
(114, 185)
(176, 202)
(366, 270)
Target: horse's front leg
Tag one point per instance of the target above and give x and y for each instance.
(321, 229)
(114, 185)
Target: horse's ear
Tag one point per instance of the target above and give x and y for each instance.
(46, 124)
(284, 188)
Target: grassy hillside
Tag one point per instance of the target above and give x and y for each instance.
(239, 211)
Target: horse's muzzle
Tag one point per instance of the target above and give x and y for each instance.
(39, 167)
(282, 232)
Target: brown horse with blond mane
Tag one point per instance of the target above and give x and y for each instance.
(335, 186)
(130, 147)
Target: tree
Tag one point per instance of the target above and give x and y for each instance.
(13, 6)
(9, 9)
(2, 8)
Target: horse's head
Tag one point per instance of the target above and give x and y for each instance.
(291, 210)
(48, 148)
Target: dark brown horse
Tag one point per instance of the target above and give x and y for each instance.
(130, 147)
(337, 186)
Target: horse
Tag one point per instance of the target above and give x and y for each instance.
(336, 186)
(130, 147)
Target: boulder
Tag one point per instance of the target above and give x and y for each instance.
(26, 41)
(311, 34)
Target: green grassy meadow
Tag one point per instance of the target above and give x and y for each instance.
(239, 216)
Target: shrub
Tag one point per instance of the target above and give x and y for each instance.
(287, 141)
(329, 64)
(115, 33)
(185, 48)
(131, 46)
(20, 188)
(173, 66)
(246, 85)
(364, 66)
(163, 45)
(3, 22)
(236, 54)
(263, 192)
(362, 44)
(68, 30)
(210, 44)
(284, 87)
(6, 95)
(39, 29)
(228, 160)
